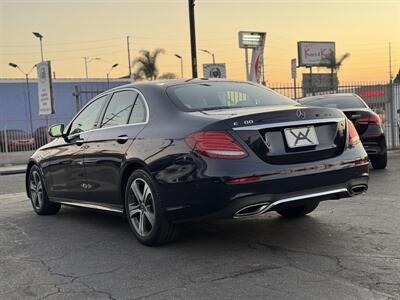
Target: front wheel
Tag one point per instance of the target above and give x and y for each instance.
(144, 211)
(298, 211)
(38, 195)
(379, 162)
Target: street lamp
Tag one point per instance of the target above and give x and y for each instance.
(108, 74)
(180, 57)
(212, 54)
(40, 37)
(88, 60)
(28, 94)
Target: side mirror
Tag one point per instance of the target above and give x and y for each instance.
(56, 130)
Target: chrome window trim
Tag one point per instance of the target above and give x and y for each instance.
(108, 93)
(290, 123)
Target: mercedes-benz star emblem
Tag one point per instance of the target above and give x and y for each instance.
(301, 114)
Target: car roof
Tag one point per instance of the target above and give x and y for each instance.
(164, 84)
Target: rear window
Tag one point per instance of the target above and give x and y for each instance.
(223, 95)
(335, 102)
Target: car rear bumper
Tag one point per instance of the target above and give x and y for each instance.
(374, 145)
(218, 199)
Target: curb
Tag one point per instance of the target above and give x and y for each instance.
(12, 172)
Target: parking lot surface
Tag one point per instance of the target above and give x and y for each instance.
(348, 249)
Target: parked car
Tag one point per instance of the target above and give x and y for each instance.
(367, 122)
(175, 151)
(41, 136)
(16, 140)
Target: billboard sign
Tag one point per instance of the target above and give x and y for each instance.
(314, 54)
(256, 65)
(214, 71)
(45, 88)
(250, 39)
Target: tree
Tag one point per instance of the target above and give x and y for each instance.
(147, 64)
(168, 75)
(333, 64)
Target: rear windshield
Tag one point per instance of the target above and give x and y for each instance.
(334, 102)
(223, 95)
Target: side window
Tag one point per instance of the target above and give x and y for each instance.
(139, 113)
(119, 108)
(87, 118)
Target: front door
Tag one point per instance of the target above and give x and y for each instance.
(64, 170)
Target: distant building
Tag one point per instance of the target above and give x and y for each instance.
(14, 112)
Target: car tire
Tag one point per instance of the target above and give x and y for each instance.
(379, 162)
(144, 211)
(299, 211)
(38, 195)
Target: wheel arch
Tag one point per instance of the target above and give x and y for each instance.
(31, 163)
(128, 169)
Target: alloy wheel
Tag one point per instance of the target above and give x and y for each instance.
(36, 190)
(141, 207)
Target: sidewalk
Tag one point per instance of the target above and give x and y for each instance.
(14, 169)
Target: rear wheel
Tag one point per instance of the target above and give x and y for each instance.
(38, 195)
(379, 162)
(144, 211)
(299, 211)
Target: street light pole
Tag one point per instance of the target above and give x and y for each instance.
(108, 74)
(181, 59)
(87, 61)
(208, 52)
(28, 94)
(38, 35)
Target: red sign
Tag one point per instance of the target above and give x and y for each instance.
(372, 93)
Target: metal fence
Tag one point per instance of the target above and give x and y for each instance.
(383, 98)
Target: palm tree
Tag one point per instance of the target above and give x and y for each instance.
(333, 64)
(147, 64)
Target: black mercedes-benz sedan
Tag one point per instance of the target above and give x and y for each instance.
(169, 152)
(368, 123)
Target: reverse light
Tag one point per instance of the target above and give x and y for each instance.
(215, 144)
(353, 136)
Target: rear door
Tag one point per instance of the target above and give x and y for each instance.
(125, 116)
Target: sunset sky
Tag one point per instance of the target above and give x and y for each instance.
(73, 29)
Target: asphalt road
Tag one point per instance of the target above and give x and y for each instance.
(347, 249)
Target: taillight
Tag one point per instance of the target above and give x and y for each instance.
(353, 137)
(372, 119)
(215, 144)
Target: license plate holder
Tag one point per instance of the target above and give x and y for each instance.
(301, 137)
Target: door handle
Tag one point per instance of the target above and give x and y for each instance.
(79, 142)
(122, 139)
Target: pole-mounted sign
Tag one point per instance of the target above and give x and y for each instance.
(214, 70)
(45, 88)
(256, 41)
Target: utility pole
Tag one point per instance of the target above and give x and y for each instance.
(193, 38)
(129, 57)
(390, 63)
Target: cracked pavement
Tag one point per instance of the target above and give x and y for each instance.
(348, 249)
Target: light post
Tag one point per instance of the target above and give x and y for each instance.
(212, 54)
(108, 74)
(40, 37)
(181, 59)
(87, 61)
(28, 94)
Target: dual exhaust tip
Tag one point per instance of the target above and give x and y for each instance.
(260, 208)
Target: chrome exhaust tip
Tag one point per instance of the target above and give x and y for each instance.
(358, 189)
(251, 210)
